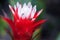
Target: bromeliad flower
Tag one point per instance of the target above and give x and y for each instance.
(24, 23)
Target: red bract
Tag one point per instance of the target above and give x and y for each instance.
(24, 23)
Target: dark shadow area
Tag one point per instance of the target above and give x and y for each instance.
(52, 27)
(4, 6)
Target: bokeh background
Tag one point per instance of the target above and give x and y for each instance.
(49, 31)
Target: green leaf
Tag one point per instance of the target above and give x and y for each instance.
(40, 5)
(36, 34)
(3, 25)
(58, 37)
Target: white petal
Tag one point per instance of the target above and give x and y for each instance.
(15, 7)
(39, 12)
(33, 11)
(23, 16)
(25, 10)
(24, 5)
(33, 19)
(29, 4)
(18, 4)
(19, 10)
(11, 9)
(30, 9)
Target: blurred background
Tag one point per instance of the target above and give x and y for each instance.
(50, 30)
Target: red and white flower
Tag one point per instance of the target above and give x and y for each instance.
(24, 23)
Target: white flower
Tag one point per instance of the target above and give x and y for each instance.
(26, 11)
